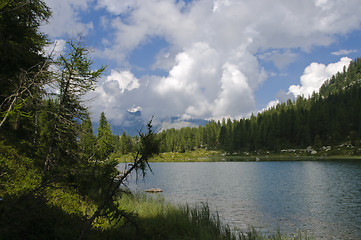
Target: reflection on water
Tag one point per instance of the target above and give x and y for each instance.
(321, 197)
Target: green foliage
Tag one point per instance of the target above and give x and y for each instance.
(74, 79)
(149, 145)
(125, 144)
(18, 175)
(105, 140)
(87, 140)
(20, 42)
(96, 180)
(199, 155)
(22, 68)
(33, 218)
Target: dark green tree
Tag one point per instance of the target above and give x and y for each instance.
(105, 139)
(20, 41)
(87, 140)
(23, 68)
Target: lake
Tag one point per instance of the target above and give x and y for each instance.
(319, 197)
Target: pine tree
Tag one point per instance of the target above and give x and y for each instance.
(126, 145)
(87, 140)
(105, 139)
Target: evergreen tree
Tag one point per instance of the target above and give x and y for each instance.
(20, 41)
(74, 79)
(23, 68)
(105, 139)
(126, 145)
(87, 140)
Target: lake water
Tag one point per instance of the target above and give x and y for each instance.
(323, 198)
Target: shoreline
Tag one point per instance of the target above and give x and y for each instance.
(202, 155)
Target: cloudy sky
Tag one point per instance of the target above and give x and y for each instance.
(207, 59)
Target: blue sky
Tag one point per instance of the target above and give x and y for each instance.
(207, 59)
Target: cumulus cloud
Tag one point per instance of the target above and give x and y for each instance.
(315, 75)
(312, 79)
(234, 90)
(123, 80)
(213, 51)
(111, 94)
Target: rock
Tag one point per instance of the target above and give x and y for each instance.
(154, 190)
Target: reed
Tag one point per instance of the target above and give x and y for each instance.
(157, 219)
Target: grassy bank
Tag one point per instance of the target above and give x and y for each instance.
(159, 220)
(199, 155)
(344, 152)
(283, 157)
(202, 155)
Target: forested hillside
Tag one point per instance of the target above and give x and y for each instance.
(331, 117)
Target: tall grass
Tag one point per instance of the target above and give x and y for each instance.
(157, 219)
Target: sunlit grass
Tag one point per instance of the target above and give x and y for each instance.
(160, 220)
(199, 155)
(157, 219)
(203, 155)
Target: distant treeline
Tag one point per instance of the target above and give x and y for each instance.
(329, 117)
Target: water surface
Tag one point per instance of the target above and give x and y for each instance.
(321, 197)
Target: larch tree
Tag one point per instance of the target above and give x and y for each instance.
(73, 80)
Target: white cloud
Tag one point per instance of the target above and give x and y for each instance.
(344, 52)
(234, 90)
(213, 51)
(117, 7)
(315, 75)
(65, 19)
(125, 80)
(111, 96)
